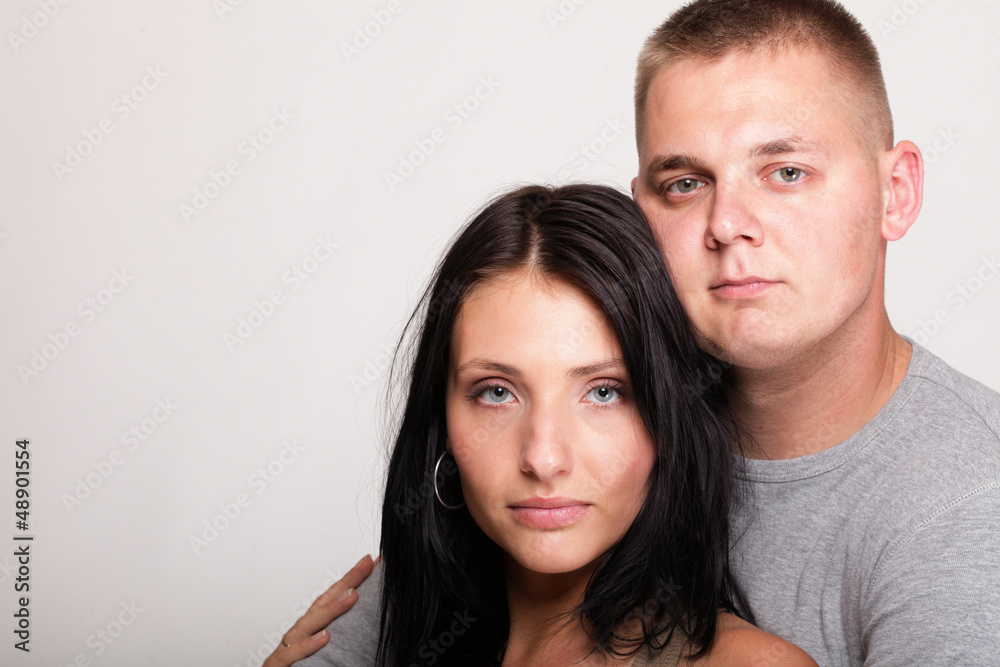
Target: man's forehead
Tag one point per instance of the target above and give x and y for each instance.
(763, 72)
(766, 102)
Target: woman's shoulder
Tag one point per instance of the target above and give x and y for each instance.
(738, 644)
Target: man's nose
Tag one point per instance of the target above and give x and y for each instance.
(731, 220)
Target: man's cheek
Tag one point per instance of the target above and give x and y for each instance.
(684, 271)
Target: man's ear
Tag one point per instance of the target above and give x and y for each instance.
(634, 181)
(905, 168)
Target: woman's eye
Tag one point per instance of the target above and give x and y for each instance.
(497, 394)
(603, 394)
(684, 186)
(788, 174)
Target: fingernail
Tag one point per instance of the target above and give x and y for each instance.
(345, 595)
(358, 564)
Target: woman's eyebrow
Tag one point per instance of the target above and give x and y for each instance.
(481, 364)
(617, 363)
(489, 365)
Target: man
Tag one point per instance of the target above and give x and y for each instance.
(871, 535)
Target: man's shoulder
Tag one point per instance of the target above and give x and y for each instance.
(939, 456)
(965, 398)
(947, 418)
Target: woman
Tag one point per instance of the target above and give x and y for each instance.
(559, 488)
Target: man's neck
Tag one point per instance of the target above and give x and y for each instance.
(820, 400)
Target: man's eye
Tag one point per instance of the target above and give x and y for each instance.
(684, 186)
(788, 174)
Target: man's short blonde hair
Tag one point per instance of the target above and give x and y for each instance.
(712, 29)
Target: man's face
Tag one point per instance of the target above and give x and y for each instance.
(767, 206)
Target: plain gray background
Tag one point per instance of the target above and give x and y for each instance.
(537, 84)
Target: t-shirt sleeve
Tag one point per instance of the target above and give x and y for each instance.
(353, 636)
(934, 598)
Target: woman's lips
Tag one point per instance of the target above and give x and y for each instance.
(549, 513)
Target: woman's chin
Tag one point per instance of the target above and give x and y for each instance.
(547, 563)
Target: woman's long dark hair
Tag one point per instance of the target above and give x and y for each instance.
(444, 599)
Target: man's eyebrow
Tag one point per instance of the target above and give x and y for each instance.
(793, 144)
(674, 162)
(786, 145)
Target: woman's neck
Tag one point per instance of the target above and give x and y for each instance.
(543, 630)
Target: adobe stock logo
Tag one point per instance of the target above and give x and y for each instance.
(31, 25)
(900, 16)
(562, 12)
(364, 35)
(588, 153)
(960, 296)
(122, 108)
(432, 651)
(60, 339)
(231, 510)
(456, 115)
(133, 437)
(265, 308)
(248, 149)
(945, 138)
(101, 640)
(225, 7)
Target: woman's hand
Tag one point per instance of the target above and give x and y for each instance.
(308, 635)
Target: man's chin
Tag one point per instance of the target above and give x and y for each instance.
(759, 352)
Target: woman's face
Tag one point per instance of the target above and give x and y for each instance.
(553, 456)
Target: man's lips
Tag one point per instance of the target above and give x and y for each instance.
(741, 288)
(549, 512)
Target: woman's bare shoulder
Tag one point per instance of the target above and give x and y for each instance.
(739, 644)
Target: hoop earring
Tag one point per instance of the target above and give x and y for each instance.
(436, 493)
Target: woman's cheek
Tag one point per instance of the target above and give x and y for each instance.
(475, 432)
(624, 470)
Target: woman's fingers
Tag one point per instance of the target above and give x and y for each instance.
(307, 635)
(332, 603)
(284, 656)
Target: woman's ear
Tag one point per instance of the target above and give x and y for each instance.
(904, 168)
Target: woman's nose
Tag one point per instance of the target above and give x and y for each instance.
(546, 450)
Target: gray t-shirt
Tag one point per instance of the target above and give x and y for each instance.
(883, 550)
